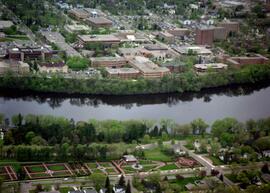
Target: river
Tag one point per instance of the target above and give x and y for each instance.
(241, 102)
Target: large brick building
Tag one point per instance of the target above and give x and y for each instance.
(247, 60)
(230, 26)
(78, 13)
(204, 36)
(113, 62)
(125, 73)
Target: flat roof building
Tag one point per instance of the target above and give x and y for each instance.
(113, 62)
(165, 36)
(98, 22)
(78, 13)
(200, 50)
(5, 24)
(76, 28)
(53, 67)
(15, 66)
(179, 32)
(125, 73)
(230, 26)
(103, 39)
(210, 66)
(148, 68)
(247, 60)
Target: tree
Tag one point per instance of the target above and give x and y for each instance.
(77, 63)
(1, 184)
(128, 189)
(98, 180)
(17, 120)
(265, 168)
(108, 185)
(29, 136)
(122, 181)
(199, 126)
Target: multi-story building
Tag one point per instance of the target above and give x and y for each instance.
(147, 68)
(167, 37)
(34, 52)
(204, 36)
(14, 66)
(78, 13)
(125, 73)
(53, 67)
(97, 22)
(105, 40)
(113, 62)
(220, 33)
(211, 66)
(179, 32)
(230, 26)
(247, 60)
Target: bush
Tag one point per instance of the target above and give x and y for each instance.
(77, 63)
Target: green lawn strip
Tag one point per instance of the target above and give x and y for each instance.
(232, 177)
(146, 168)
(36, 168)
(146, 162)
(96, 171)
(105, 164)
(62, 173)
(92, 165)
(182, 182)
(40, 175)
(56, 167)
(169, 167)
(157, 155)
(215, 160)
(111, 170)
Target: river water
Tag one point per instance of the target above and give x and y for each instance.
(241, 102)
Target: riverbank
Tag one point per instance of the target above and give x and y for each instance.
(180, 83)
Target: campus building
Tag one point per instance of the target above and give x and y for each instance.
(53, 67)
(5, 24)
(97, 22)
(247, 60)
(179, 32)
(125, 73)
(230, 26)
(113, 62)
(15, 66)
(78, 13)
(34, 52)
(106, 40)
(167, 37)
(204, 36)
(147, 68)
(211, 66)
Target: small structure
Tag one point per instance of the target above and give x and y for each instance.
(212, 66)
(53, 67)
(130, 159)
(167, 37)
(5, 24)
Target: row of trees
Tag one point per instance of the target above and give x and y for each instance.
(188, 81)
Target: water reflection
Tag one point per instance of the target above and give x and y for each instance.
(56, 100)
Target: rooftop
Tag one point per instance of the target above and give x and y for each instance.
(99, 20)
(123, 71)
(146, 65)
(198, 49)
(109, 58)
(98, 38)
(5, 24)
(211, 65)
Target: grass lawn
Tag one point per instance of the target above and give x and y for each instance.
(185, 181)
(216, 161)
(146, 162)
(157, 155)
(92, 165)
(36, 169)
(57, 167)
(169, 167)
(146, 168)
(232, 177)
(105, 164)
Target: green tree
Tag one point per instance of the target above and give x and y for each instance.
(77, 63)
(199, 126)
(98, 180)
